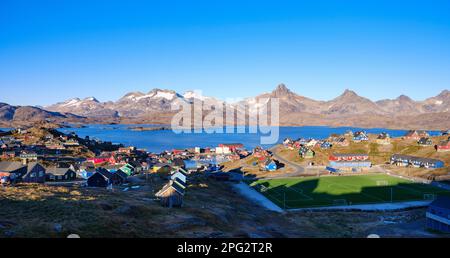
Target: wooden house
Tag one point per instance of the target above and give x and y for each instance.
(103, 178)
(415, 135)
(181, 174)
(161, 168)
(306, 152)
(98, 180)
(177, 163)
(35, 173)
(11, 171)
(325, 145)
(443, 145)
(383, 139)
(425, 141)
(180, 182)
(270, 165)
(445, 132)
(348, 157)
(233, 147)
(360, 136)
(127, 169)
(171, 195)
(407, 160)
(122, 175)
(341, 141)
(354, 162)
(60, 174)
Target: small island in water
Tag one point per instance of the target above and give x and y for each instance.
(153, 128)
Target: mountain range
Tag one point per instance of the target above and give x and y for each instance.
(348, 109)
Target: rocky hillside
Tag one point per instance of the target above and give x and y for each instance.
(25, 114)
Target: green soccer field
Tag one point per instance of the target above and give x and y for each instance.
(343, 190)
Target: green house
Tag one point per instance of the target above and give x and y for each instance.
(306, 153)
(127, 169)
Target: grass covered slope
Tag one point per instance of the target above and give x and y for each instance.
(341, 190)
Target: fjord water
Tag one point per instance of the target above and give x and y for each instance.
(160, 140)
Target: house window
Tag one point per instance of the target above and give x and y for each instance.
(32, 174)
(41, 173)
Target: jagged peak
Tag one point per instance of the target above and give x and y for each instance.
(404, 98)
(90, 99)
(348, 92)
(133, 94)
(444, 93)
(156, 90)
(281, 90)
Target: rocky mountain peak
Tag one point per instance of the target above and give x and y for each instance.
(444, 94)
(281, 90)
(349, 93)
(403, 98)
(91, 99)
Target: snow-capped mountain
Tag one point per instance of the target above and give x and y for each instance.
(349, 104)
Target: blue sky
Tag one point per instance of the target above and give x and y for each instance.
(54, 50)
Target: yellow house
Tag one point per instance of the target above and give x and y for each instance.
(161, 168)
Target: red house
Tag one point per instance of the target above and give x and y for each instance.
(443, 146)
(348, 157)
(415, 134)
(232, 146)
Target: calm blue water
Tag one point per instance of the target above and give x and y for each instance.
(157, 141)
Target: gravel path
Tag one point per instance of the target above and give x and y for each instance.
(254, 195)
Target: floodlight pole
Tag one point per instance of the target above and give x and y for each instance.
(392, 192)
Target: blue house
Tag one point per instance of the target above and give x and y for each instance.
(326, 145)
(406, 160)
(270, 165)
(438, 214)
(360, 136)
(445, 132)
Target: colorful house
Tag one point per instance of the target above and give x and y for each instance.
(181, 174)
(127, 169)
(415, 134)
(348, 157)
(407, 160)
(171, 195)
(360, 136)
(32, 172)
(354, 162)
(60, 174)
(161, 168)
(325, 145)
(383, 139)
(270, 165)
(443, 146)
(233, 147)
(425, 141)
(306, 153)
